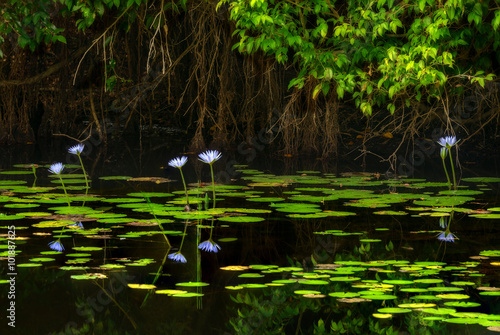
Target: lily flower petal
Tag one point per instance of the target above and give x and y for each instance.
(178, 162)
(210, 156)
(177, 257)
(56, 168)
(76, 149)
(209, 246)
(56, 245)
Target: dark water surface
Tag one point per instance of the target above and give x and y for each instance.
(49, 301)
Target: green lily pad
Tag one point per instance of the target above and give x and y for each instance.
(192, 284)
(393, 310)
(241, 219)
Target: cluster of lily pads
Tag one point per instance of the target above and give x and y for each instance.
(307, 196)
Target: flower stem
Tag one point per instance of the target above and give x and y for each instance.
(84, 174)
(213, 181)
(453, 172)
(64, 188)
(447, 176)
(185, 188)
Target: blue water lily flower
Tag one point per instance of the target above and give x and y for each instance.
(56, 168)
(210, 156)
(177, 257)
(209, 246)
(76, 149)
(178, 162)
(447, 236)
(56, 245)
(447, 141)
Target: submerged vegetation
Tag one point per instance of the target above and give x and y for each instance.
(311, 252)
(304, 74)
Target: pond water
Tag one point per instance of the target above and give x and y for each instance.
(314, 251)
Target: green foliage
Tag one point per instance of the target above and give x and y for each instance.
(375, 52)
(30, 22)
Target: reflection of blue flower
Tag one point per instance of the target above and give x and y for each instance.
(447, 236)
(209, 156)
(447, 141)
(209, 246)
(76, 225)
(56, 168)
(56, 245)
(177, 257)
(178, 162)
(76, 149)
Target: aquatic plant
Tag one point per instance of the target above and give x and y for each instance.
(446, 235)
(209, 245)
(77, 150)
(178, 163)
(447, 143)
(56, 245)
(57, 169)
(177, 257)
(210, 157)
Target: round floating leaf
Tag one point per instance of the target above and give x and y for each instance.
(28, 265)
(10, 217)
(251, 275)
(486, 216)
(241, 219)
(379, 296)
(142, 286)
(78, 254)
(151, 194)
(170, 292)
(425, 297)
(464, 304)
(266, 199)
(490, 253)
(234, 288)
(42, 259)
(462, 283)
(123, 200)
(314, 282)
(253, 285)
(89, 276)
(439, 311)
(345, 278)
(393, 310)
(302, 292)
(398, 282)
(192, 284)
(21, 205)
(428, 281)
(454, 296)
(417, 305)
(444, 289)
(490, 293)
(390, 213)
(52, 224)
(87, 248)
(482, 180)
(413, 290)
(343, 294)
(284, 281)
(382, 316)
(464, 321)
